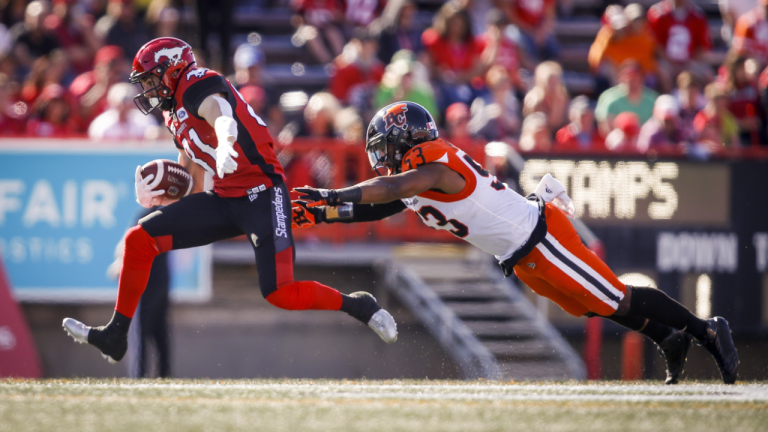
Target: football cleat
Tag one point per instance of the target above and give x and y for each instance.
(384, 325)
(719, 343)
(112, 342)
(675, 351)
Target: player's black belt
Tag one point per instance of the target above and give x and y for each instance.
(538, 234)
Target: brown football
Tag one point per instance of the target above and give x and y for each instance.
(169, 176)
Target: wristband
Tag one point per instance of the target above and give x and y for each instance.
(351, 194)
(335, 213)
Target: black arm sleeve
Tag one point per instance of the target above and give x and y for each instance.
(372, 212)
(197, 92)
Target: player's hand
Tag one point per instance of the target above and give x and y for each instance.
(145, 196)
(225, 158)
(318, 197)
(305, 216)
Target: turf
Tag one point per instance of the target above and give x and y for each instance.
(302, 405)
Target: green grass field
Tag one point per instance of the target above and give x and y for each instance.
(84, 405)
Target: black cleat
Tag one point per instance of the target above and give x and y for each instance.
(111, 340)
(675, 351)
(719, 343)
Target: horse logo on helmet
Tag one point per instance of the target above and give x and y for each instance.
(173, 54)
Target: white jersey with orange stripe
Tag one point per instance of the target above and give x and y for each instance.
(486, 213)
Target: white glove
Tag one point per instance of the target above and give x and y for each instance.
(145, 195)
(551, 190)
(226, 133)
(225, 162)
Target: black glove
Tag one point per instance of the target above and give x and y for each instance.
(317, 197)
(305, 216)
(329, 197)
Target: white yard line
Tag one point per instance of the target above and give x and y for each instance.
(450, 391)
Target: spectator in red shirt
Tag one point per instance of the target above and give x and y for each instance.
(716, 127)
(623, 137)
(499, 47)
(361, 13)
(45, 70)
(682, 34)
(750, 36)
(536, 21)
(357, 71)
(74, 30)
(581, 133)
(453, 55)
(318, 24)
(12, 111)
(457, 123)
(51, 114)
(89, 89)
(744, 100)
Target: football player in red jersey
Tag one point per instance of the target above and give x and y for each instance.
(531, 237)
(217, 132)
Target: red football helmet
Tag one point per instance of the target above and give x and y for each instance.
(163, 60)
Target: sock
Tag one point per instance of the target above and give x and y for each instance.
(140, 250)
(303, 295)
(653, 330)
(359, 305)
(657, 306)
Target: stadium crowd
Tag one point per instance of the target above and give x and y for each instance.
(487, 69)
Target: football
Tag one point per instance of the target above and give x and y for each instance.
(169, 176)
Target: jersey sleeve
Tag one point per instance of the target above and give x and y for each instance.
(176, 143)
(198, 91)
(431, 151)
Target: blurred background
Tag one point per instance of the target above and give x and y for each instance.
(652, 114)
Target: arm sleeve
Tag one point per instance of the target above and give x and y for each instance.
(197, 92)
(372, 212)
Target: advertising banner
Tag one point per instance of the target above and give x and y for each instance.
(63, 209)
(697, 230)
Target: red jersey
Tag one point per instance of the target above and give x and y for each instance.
(531, 12)
(452, 56)
(362, 12)
(570, 138)
(507, 55)
(681, 33)
(750, 35)
(345, 79)
(257, 165)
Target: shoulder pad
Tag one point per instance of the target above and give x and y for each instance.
(431, 151)
(196, 74)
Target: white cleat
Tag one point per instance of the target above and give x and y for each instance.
(80, 332)
(76, 329)
(384, 325)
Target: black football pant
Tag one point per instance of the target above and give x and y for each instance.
(203, 218)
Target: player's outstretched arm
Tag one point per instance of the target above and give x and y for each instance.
(305, 216)
(382, 190)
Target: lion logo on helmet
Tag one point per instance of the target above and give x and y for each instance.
(173, 54)
(395, 116)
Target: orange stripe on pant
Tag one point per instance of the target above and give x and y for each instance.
(565, 271)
